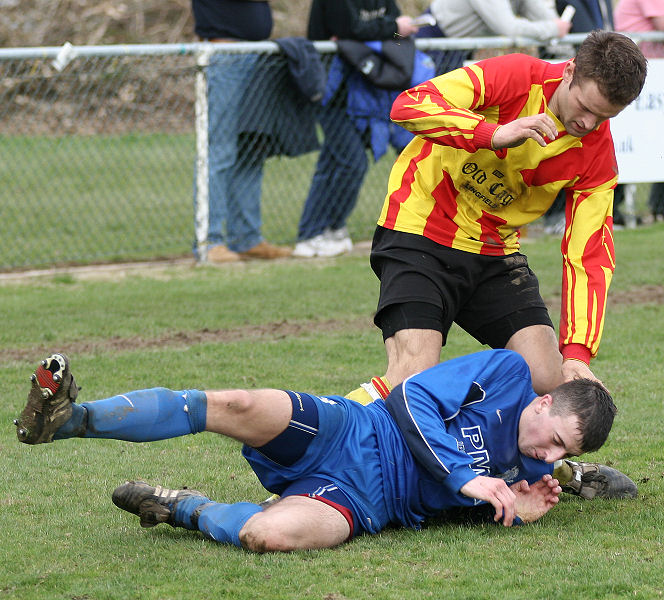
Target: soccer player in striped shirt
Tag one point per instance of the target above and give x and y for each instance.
(495, 143)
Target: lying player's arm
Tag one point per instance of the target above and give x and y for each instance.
(535, 500)
(421, 419)
(423, 426)
(424, 403)
(496, 492)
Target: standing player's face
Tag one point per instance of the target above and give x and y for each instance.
(581, 106)
(548, 437)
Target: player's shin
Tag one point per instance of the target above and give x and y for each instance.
(222, 522)
(139, 416)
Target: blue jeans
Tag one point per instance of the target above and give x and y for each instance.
(235, 165)
(340, 170)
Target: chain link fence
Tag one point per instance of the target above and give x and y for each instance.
(98, 152)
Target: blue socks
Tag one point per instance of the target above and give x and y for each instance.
(217, 521)
(140, 416)
(158, 414)
(223, 522)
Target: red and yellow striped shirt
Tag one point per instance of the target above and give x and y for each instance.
(451, 187)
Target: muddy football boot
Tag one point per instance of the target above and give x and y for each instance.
(49, 403)
(592, 480)
(153, 505)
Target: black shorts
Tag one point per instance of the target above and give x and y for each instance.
(424, 285)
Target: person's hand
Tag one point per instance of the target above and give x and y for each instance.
(496, 492)
(515, 133)
(563, 27)
(576, 369)
(534, 501)
(405, 26)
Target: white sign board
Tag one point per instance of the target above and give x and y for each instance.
(638, 131)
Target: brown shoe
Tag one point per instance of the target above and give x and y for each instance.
(266, 251)
(221, 254)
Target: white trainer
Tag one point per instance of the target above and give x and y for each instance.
(329, 247)
(342, 237)
(325, 245)
(308, 248)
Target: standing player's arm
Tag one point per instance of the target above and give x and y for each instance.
(447, 110)
(536, 127)
(588, 265)
(573, 368)
(446, 117)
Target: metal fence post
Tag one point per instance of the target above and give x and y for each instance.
(201, 209)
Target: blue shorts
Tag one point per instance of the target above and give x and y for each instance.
(329, 451)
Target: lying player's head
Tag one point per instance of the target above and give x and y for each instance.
(573, 419)
(593, 406)
(615, 63)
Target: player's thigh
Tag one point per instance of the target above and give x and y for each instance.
(422, 284)
(538, 345)
(506, 299)
(295, 523)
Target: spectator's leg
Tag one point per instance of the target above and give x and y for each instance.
(244, 206)
(656, 201)
(228, 79)
(342, 165)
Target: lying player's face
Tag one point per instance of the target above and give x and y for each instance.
(581, 106)
(548, 437)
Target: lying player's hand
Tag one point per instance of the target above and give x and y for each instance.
(515, 133)
(496, 492)
(534, 501)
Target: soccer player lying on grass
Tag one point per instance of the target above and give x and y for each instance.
(467, 431)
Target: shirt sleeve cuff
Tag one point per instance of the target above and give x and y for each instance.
(483, 133)
(576, 352)
(459, 477)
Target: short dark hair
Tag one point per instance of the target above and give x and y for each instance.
(615, 63)
(592, 404)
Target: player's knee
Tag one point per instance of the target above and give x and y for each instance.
(546, 380)
(233, 401)
(258, 535)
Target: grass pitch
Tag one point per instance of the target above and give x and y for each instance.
(305, 325)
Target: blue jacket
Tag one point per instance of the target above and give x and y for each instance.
(369, 106)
